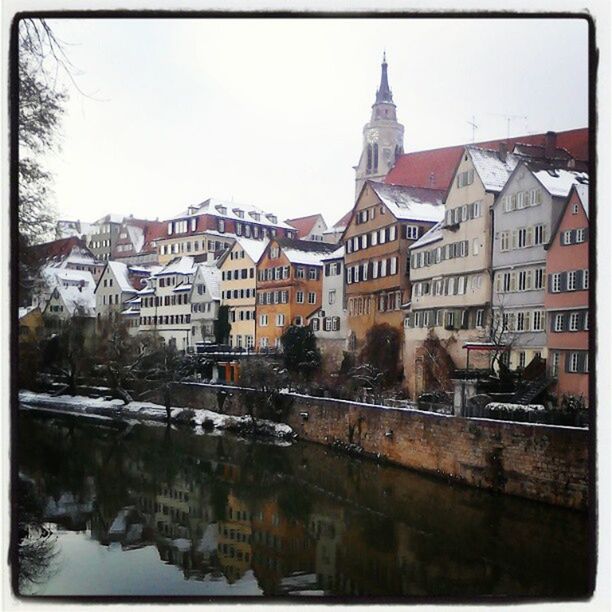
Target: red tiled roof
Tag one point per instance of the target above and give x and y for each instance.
(434, 168)
(303, 225)
(343, 221)
(57, 248)
(154, 230)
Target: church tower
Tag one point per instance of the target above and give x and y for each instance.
(383, 136)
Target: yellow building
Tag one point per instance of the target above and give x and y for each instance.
(238, 285)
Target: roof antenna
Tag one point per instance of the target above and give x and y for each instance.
(474, 128)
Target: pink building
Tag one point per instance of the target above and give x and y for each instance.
(567, 297)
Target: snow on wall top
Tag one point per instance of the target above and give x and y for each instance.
(81, 298)
(136, 235)
(308, 258)
(411, 203)
(337, 254)
(492, 170)
(559, 182)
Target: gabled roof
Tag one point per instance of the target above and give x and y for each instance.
(58, 248)
(493, 171)
(435, 168)
(304, 225)
(559, 182)
(582, 192)
(80, 297)
(253, 248)
(410, 203)
(212, 279)
(110, 218)
(341, 224)
(121, 273)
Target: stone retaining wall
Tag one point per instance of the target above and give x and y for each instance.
(543, 462)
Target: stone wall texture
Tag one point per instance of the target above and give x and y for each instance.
(542, 462)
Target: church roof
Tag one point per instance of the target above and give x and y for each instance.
(435, 168)
(383, 93)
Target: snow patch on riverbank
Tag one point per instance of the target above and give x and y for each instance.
(90, 406)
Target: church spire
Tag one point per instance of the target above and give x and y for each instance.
(383, 94)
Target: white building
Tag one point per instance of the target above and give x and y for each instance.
(205, 300)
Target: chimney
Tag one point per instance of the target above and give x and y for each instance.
(550, 144)
(502, 150)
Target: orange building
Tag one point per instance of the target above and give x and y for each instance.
(567, 297)
(386, 219)
(289, 287)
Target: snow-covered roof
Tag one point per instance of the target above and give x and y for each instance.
(23, 311)
(178, 265)
(583, 193)
(212, 279)
(559, 182)
(151, 270)
(182, 287)
(208, 543)
(492, 170)
(232, 210)
(81, 298)
(433, 235)
(253, 248)
(130, 311)
(81, 256)
(54, 276)
(411, 203)
(309, 258)
(121, 273)
(136, 235)
(337, 254)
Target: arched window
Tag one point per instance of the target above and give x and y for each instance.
(369, 166)
(375, 158)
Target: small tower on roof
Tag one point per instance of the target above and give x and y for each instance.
(383, 136)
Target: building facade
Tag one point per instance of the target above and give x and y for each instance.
(165, 307)
(238, 267)
(386, 219)
(103, 235)
(567, 297)
(450, 267)
(329, 322)
(524, 214)
(211, 227)
(289, 286)
(312, 227)
(205, 300)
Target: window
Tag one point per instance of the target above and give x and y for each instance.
(312, 297)
(475, 246)
(580, 235)
(522, 238)
(504, 241)
(571, 281)
(538, 320)
(312, 273)
(450, 320)
(556, 282)
(280, 320)
(574, 361)
(539, 234)
(554, 364)
(558, 322)
(263, 320)
(331, 296)
(274, 252)
(538, 278)
(574, 321)
(522, 280)
(566, 237)
(298, 321)
(479, 318)
(299, 297)
(575, 209)
(521, 361)
(299, 273)
(412, 232)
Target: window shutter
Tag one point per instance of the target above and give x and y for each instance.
(550, 283)
(578, 280)
(581, 361)
(586, 234)
(514, 239)
(566, 319)
(568, 360)
(563, 281)
(573, 236)
(581, 318)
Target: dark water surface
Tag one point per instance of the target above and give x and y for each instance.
(150, 511)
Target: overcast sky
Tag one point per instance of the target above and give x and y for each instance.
(270, 112)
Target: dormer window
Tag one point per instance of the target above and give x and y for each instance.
(255, 215)
(272, 218)
(222, 210)
(239, 213)
(221, 225)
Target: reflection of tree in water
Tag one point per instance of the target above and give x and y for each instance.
(36, 545)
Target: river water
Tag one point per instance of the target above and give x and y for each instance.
(158, 512)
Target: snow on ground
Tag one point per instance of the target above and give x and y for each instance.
(97, 406)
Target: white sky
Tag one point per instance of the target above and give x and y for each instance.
(270, 112)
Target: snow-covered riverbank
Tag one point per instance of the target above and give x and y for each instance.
(147, 411)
